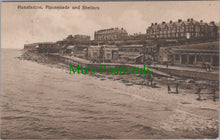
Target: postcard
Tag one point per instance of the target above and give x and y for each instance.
(110, 70)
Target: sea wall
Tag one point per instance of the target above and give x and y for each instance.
(191, 74)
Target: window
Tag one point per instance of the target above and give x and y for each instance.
(95, 54)
(108, 55)
(207, 59)
(176, 34)
(199, 58)
(177, 57)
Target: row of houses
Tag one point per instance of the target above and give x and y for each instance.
(181, 30)
(189, 29)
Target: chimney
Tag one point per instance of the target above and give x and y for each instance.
(171, 21)
(179, 20)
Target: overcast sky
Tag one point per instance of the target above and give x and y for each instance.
(21, 26)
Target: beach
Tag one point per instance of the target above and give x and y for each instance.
(40, 99)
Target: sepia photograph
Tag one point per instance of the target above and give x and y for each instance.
(110, 70)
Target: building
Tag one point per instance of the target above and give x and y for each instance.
(183, 30)
(31, 46)
(131, 54)
(110, 53)
(70, 49)
(48, 47)
(137, 36)
(111, 34)
(218, 29)
(62, 43)
(191, 54)
(78, 39)
(81, 51)
(94, 53)
(150, 51)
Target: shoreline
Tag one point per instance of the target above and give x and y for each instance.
(191, 116)
(127, 79)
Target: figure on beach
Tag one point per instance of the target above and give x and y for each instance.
(213, 91)
(199, 92)
(151, 80)
(168, 87)
(177, 90)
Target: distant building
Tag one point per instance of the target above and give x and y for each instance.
(49, 47)
(31, 46)
(62, 43)
(78, 39)
(111, 34)
(189, 29)
(137, 36)
(218, 29)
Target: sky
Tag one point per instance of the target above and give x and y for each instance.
(24, 26)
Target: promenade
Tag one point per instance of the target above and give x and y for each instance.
(185, 68)
(163, 70)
